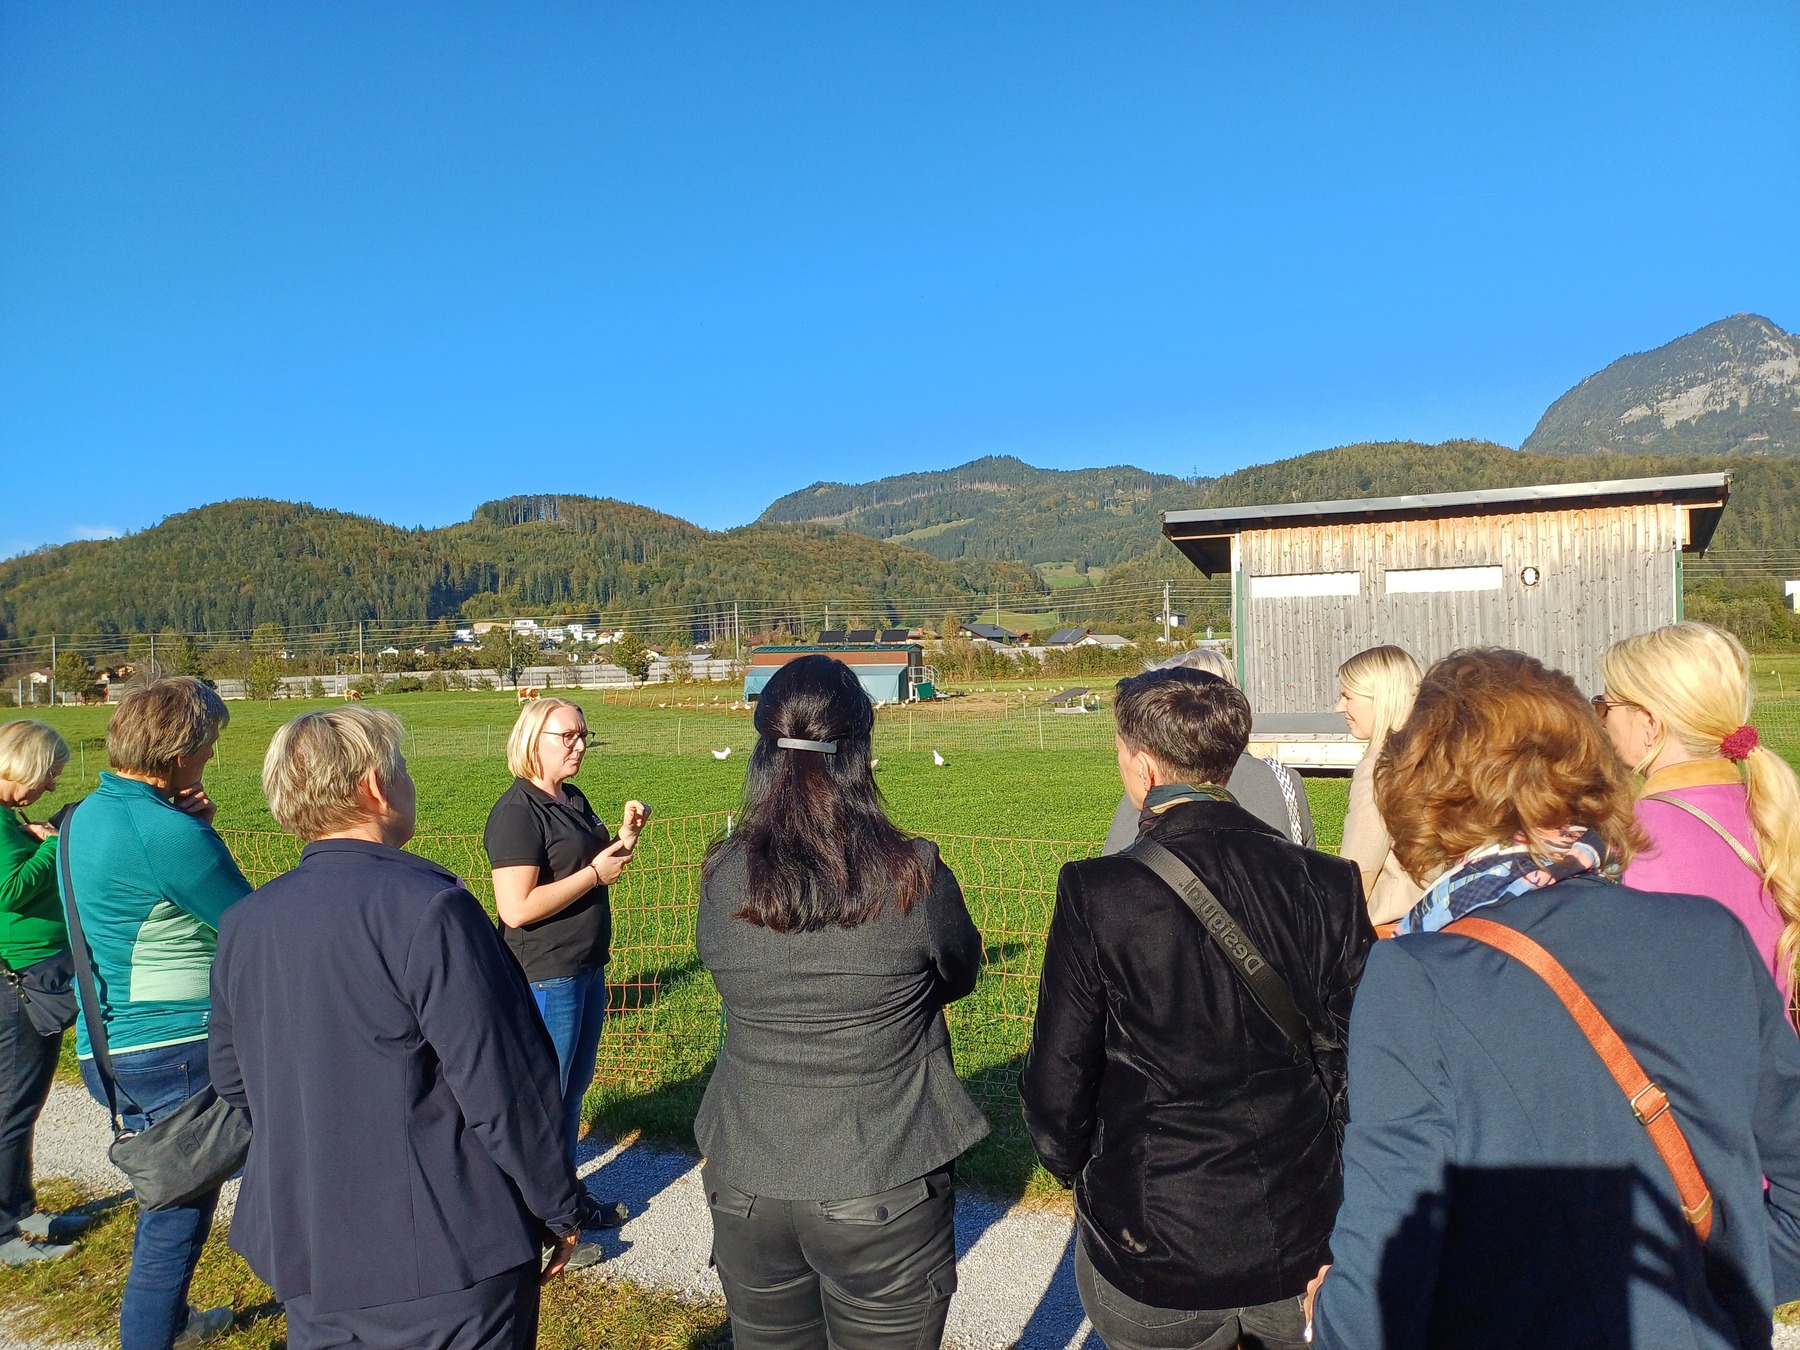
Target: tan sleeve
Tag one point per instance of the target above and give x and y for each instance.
(1365, 836)
(1395, 893)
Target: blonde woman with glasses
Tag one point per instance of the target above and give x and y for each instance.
(1722, 810)
(1375, 694)
(553, 861)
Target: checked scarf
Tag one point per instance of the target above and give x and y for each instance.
(1497, 871)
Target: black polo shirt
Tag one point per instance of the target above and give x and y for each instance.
(530, 828)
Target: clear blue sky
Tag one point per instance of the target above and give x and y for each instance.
(402, 258)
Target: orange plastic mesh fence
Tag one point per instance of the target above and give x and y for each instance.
(664, 1025)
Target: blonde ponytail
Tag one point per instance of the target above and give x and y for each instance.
(1775, 815)
(1696, 680)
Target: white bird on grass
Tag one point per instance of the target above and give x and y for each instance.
(938, 759)
(722, 754)
(874, 763)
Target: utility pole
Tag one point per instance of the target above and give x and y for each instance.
(737, 634)
(359, 647)
(153, 654)
(53, 670)
(1165, 613)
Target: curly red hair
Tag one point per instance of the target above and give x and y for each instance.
(1498, 745)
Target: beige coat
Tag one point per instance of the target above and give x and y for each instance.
(1366, 843)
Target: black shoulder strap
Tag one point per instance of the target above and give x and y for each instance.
(1266, 987)
(91, 1012)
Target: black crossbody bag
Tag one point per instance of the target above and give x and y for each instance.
(46, 991)
(195, 1148)
(1269, 990)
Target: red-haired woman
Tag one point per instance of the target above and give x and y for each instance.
(1500, 1188)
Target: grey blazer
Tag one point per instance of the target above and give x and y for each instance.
(835, 1078)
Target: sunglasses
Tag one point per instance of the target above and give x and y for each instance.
(1603, 705)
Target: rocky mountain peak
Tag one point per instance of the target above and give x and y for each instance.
(1731, 388)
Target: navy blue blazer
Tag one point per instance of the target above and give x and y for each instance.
(1498, 1190)
(406, 1111)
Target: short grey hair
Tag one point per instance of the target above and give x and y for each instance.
(161, 722)
(31, 753)
(1206, 660)
(317, 762)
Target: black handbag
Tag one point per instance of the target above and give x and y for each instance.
(194, 1149)
(46, 991)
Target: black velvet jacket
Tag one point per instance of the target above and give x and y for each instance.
(1205, 1166)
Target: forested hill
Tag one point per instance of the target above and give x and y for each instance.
(237, 564)
(1732, 388)
(1003, 508)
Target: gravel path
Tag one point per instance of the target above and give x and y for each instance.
(1016, 1273)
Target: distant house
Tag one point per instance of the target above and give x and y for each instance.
(464, 637)
(1791, 590)
(987, 632)
(484, 626)
(894, 674)
(1066, 637)
(1112, 642)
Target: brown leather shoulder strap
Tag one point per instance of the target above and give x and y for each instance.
(1649, 1103)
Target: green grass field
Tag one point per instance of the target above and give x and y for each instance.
(1006, 814)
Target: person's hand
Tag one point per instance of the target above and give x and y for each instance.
(41, 829)
(560, 1254)
(637, 815)
(1312, 1293)
(193, 801)
(610, 862)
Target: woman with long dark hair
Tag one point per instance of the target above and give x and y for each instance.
(834, 1117)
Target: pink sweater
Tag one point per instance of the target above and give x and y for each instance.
(1689, 859)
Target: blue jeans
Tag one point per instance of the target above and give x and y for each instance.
(150, 1084)
(27, 1064)
(574, 1009)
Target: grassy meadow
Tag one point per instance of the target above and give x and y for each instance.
(1024, 788)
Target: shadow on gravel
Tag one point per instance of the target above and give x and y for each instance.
(1058, 1317)
(638, 1175)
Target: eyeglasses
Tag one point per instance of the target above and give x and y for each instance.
(1603, 705)
(572, 739)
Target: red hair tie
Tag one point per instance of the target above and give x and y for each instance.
(1740, 743)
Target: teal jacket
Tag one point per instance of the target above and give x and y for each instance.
(31, 923)
(151, 884)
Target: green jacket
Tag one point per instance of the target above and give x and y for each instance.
(31, 921)
(151, 883)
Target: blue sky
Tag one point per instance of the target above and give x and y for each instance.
(403, 258)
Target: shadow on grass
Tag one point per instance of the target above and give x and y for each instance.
(78, 1298)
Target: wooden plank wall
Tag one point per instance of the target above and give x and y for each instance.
(1606, 573)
